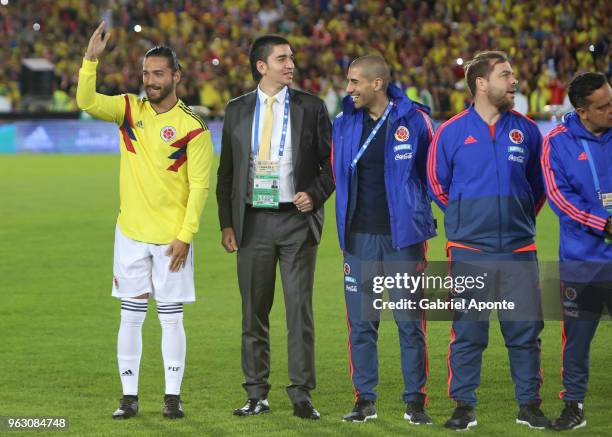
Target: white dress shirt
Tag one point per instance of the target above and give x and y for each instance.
(287, 190)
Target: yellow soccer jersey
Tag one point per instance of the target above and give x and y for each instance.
(165, 162)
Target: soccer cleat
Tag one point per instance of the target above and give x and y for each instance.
(532, 416)
(415, 414)
(173, 407)
(572, 417)
(305, 410)
(463, 418)
(363, 411)
(253, 407)
(128, 407)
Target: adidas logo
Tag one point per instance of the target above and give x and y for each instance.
(583, 157)
(127, 373)
(470, 140)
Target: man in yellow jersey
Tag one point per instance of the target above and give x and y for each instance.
(166, 154)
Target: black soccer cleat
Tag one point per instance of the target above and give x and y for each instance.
(253, 407)
(173, 407)
(128, 407)
(463, 418)
(532, 416)
(416, 415)
(572, 417)
(363, 411)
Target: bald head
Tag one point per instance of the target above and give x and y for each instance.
(373, 67)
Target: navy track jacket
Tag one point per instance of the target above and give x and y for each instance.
(409, 132)
(490, 188)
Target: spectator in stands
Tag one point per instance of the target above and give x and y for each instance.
(540, 34)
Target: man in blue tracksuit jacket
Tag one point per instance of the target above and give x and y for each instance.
(484, 173)
(576, 162)
(384, 220)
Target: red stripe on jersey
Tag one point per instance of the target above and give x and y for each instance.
(127, 119)
(431, 161)
(428, 123)
(555, 194)
(183, 143)
(529, 248)
(190, 136)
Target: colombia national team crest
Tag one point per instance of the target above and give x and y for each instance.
(168, 133)
(516, 136)
(402, 133)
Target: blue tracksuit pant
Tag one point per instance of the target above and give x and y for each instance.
(512, 277)
(368, 256)
(582, 308)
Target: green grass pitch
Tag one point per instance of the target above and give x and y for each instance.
(58, 327)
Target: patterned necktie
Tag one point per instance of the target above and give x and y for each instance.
(266, 133)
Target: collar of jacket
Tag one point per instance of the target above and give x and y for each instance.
(403, 105)
(572, 122)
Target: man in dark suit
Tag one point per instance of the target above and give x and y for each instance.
(274, 176)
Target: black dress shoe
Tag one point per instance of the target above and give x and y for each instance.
(306, 410)
(253, 407)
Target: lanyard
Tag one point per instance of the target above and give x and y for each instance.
(281, 147)
(587, 150)
(371, 136)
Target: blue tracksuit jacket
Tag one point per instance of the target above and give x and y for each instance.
(571, 189)
(490, 188)
(409, 132)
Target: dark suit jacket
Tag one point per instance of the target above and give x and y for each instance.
(310, 142)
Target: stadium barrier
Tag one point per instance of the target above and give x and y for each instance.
(90, 136)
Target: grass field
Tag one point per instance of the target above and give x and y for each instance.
(58, 327)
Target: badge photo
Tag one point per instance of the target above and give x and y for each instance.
(168, 133)
(402, 133)
(516, 136)
(570, 293)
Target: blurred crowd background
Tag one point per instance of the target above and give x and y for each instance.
(426, 43)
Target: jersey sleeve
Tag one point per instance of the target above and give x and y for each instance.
(564, 199)
(439, 171)
(199, 161)
(425, 136)
(107, 108)
(534, 170)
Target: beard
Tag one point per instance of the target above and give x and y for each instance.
(164, 91)
(500, 100)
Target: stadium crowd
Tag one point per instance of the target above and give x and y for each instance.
(424, 41)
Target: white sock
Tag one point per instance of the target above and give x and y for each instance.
(129, 343)
(174, 345)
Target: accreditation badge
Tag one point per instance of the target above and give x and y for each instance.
(606, 201)
(266, 184)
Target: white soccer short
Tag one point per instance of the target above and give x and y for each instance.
(140, 268)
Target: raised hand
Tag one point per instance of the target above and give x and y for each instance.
(97, 43)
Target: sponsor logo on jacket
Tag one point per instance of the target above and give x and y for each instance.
(402, 156)
(516, 149)
(516, 158)
(400, 147)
